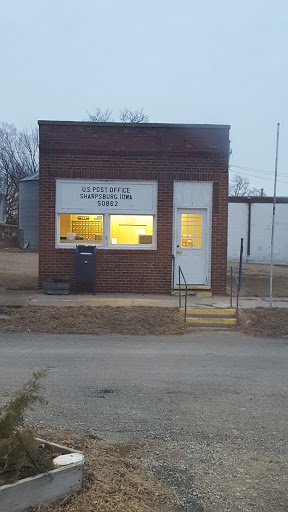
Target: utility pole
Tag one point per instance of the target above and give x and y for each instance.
(273, 214)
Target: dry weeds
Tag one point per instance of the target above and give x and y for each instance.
(113, 480)
(255, 280)
(264, 322)
(135, 320)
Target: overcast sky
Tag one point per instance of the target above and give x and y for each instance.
(184, 61)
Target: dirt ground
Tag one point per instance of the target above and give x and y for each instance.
(113, 479)
(19, 271)
(255, 280)
(135, 320)
(263, 322)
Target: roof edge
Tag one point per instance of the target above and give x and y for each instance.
(140, 125)
(34, 176)
(257, 199)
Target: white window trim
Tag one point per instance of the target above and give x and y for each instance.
(106, 245)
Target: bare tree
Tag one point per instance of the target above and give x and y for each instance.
(18, 158)
(125, 116)
(257, 192)
(240, 187)
(100, 116)
(133, 116)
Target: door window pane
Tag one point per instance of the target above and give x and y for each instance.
(183, 230)
(191, 231)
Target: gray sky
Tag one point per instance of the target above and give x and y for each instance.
(183, 61)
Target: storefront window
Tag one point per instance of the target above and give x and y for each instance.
(94, 229)
(85, 228)
(125, 214)
(131, 229)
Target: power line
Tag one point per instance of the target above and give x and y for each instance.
(258, 177)
(257, 170)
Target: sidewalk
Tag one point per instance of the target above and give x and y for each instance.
(26, 298)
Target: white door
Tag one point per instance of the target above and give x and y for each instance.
(192, 245)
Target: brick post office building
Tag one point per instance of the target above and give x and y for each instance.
(149, 196)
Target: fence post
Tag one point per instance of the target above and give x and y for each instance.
(240, 265)
(179, 288)
(231, 285)
(173, 272)
(237, 302)
(186, 302)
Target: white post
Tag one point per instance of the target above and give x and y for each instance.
(273, 214)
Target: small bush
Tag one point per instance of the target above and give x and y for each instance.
(20, 454)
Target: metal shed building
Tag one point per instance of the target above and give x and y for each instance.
(29, 209)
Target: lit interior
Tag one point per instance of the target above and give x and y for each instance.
(131, 229)
(191, 231)
(75, 227)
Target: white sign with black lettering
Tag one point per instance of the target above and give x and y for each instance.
(106, 196)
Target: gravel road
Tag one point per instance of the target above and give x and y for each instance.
(207, 413)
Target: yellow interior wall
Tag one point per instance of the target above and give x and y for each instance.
(65, 224)
(123, 227)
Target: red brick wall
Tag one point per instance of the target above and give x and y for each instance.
(163, 153)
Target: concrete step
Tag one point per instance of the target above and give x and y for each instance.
(203, 294)
(210, 317)
(192, 287)
(198, 290)
(191, 293)
(210, 327)
(212, 321)
(217, 312)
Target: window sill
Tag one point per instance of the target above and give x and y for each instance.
(142, 247)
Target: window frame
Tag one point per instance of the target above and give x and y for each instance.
(106, 244)
(74, 206)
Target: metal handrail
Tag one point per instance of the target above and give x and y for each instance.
(233, 274)
(173, 272)
(237, 279)
(180, 272)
